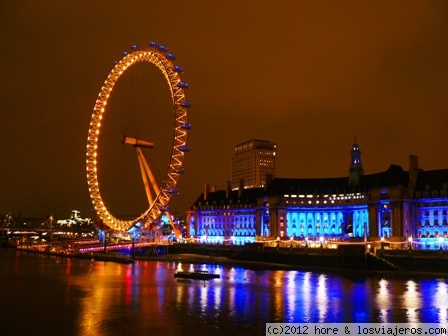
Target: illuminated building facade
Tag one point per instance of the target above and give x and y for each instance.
(403, 207)
(253, 164)
(429, 216)
(225, 216)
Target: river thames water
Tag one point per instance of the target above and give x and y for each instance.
(48, 295)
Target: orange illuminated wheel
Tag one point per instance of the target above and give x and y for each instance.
(137, 109)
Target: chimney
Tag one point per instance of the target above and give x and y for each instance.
(206, 191)
(228, 189)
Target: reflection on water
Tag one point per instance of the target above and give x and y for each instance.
(383, 301)
(411, 300)
(441, 301)
(82, 297)
(322, 297)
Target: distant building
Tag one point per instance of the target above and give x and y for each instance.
(253, 164)
(75, 218)
(405, 207)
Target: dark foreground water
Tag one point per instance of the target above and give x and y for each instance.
(45, 295)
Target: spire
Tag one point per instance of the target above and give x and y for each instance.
(356, 170)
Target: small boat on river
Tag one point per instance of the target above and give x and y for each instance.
(196, 275)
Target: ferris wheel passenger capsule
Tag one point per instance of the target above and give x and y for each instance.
(173, 191)
(185, 104)
(153, 44)
(178, 68)
(156, 222)
(170, 56)
(182, 85)
(134, 47)
(184, 148)
(180, 171)
(162, 48)
(186, 126)
(124, 53)
(165, 208)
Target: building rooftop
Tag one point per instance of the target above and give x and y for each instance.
(432, 180)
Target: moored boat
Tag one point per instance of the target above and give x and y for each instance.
(196, 275)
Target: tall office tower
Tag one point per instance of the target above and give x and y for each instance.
(253, 164)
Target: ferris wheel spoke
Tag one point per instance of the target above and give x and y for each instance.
(145, 179)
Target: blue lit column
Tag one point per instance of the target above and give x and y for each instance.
(385, 220)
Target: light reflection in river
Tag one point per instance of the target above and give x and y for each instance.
(104, 298)
(411, 300)
(383, 300)
(291, 295)
(322, 298)
(441, 301)
(306, 296)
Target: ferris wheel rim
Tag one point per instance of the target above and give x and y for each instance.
(159, 57)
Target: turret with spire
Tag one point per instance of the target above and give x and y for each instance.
(356, 170)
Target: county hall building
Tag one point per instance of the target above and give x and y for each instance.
(397, 205)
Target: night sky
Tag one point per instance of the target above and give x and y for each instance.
(308, 75)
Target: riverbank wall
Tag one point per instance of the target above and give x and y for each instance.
(345, 257)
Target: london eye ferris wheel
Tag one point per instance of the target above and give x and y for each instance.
(132, 186)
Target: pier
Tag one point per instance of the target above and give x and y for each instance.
(117, 252)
